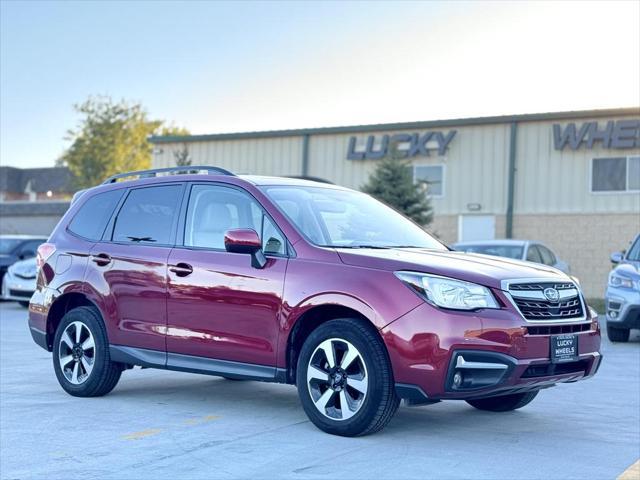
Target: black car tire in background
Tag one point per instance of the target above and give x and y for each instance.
(618, 334)
(504, 403)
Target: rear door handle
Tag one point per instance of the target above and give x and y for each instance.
(181, 269)
(102, 259)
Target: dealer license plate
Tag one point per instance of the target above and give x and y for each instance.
(564, 348)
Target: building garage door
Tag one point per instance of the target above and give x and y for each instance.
(476, 227)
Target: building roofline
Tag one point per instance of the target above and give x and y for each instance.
(454, 122)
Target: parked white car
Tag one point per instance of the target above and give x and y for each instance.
(528, 250)
(19, 282)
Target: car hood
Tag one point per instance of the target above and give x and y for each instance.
(484, 270)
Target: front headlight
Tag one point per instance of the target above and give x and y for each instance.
(618, 281)
(448, 293)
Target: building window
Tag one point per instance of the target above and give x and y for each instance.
(616, 174)
(432, 176)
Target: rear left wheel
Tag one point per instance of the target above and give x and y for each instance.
(81, 355)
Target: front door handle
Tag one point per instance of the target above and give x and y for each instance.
(181, 269)
(102, 259)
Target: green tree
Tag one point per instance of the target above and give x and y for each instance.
(392, 183)
(111, 137)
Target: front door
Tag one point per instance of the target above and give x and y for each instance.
(219, 306)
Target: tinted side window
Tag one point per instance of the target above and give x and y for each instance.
(92, 218)
(548, 258)
(147, 215)
(533, 255)
(213, 210)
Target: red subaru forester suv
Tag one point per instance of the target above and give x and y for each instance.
(299, 282)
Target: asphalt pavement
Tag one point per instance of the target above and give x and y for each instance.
(160, 424)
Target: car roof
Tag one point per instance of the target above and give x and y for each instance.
(261, 180)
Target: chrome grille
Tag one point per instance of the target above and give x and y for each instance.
(530, 299)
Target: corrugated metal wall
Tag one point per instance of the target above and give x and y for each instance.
(558, 181)
(475, 166)
(257, 156)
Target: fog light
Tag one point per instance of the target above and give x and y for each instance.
(457, 380)
(613, 314)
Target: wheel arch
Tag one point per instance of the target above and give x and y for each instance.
(312, 318)
(61, 305)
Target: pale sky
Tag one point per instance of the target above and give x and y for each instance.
(223, 67)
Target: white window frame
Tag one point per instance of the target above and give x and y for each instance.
(444, 176)
(612, 192)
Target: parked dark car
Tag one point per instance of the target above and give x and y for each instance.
(298, 282)
(17, 247)
(622, 297)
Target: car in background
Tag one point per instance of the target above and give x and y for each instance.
(20, 281)
(622, 298)
(517, 249)
(17, 247)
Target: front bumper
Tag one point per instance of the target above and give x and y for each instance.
(425, 345)
(623, 307)
(16, 288)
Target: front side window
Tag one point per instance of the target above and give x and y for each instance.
(548, 258)
(213, 210)
(432, 176)
(147, 215)
(617, 174)
(92, 218)
(533, 254)
(332, 217)
(634, 251)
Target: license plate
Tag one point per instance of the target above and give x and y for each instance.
(564, 348)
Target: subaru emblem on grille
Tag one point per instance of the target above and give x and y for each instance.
(551, 294)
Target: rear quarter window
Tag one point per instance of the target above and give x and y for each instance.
(92, 217)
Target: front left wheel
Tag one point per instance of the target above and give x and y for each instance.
(81, 355)
(344, 379)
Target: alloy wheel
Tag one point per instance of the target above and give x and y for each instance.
(337, 379)
(77, 352)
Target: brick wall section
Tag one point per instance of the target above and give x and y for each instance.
(585, 241)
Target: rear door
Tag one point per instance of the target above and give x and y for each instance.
(127, 268)
(219, 306)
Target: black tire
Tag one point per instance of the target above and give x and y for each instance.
(504, 403)
(380, 403)
(105, 374)
(24, 304)
(618, 334)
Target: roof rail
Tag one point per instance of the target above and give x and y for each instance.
(171, 170)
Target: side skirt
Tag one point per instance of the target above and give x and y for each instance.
(193, 364)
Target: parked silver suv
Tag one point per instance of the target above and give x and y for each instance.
(623, 293)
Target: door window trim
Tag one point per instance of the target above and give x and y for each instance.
(182, 222)
(108, 234)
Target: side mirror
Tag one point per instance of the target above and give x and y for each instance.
(245, 240)
(617, 257)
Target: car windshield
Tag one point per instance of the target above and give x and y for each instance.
(634, 251)
(509, 251)
(8, 245)
(332, 217)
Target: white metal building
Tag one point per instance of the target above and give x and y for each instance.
(568, 179)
